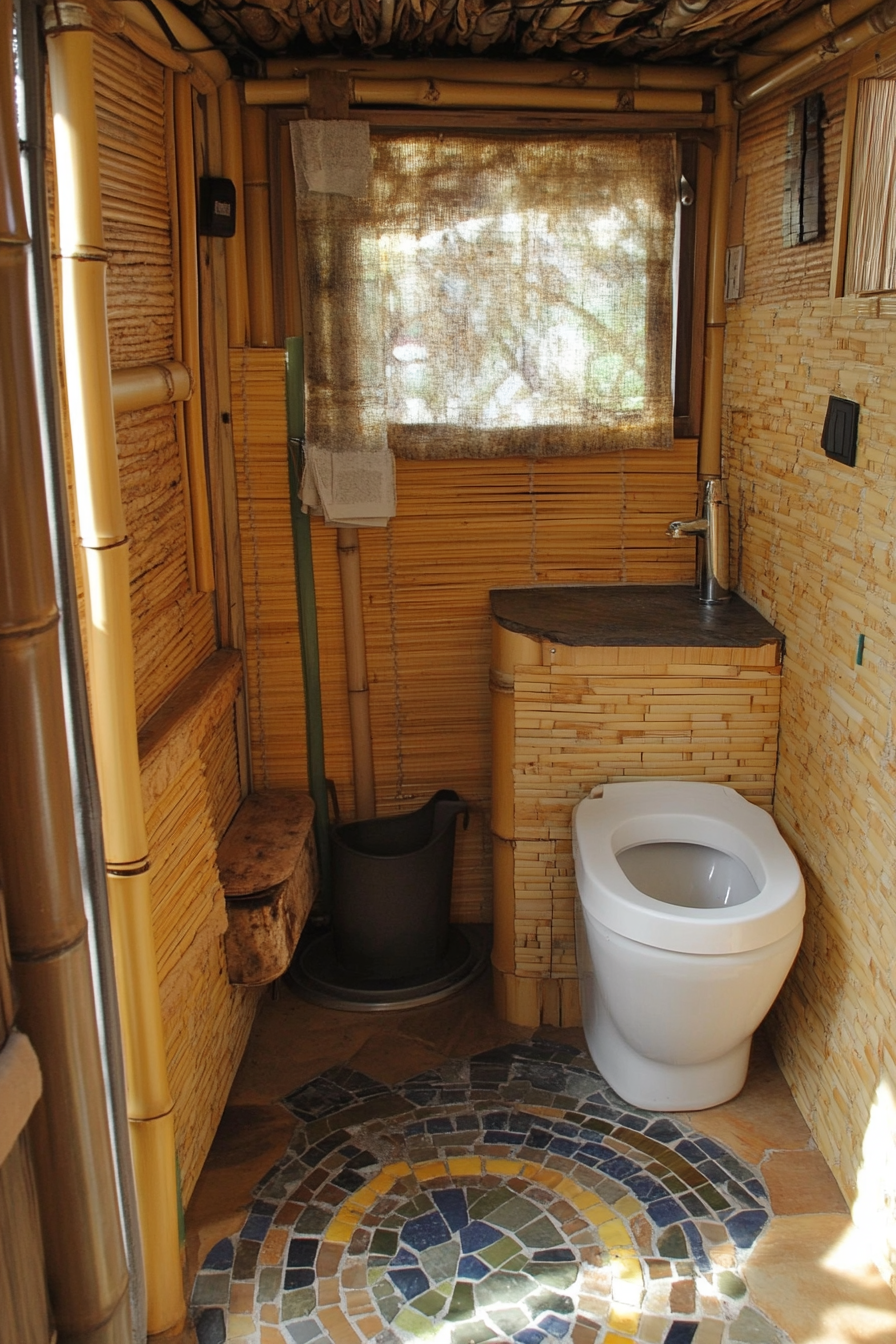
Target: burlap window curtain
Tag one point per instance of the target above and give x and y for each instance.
(871, 265)
(491, 296)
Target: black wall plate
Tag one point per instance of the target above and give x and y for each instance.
(840, 436)
(217, 207)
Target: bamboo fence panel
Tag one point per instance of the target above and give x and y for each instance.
(461, 529)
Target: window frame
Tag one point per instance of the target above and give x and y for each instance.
(695, 142)
(875, 60)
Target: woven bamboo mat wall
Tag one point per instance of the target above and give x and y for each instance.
(174, 628)
(462, 528)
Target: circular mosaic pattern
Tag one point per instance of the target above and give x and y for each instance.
(511, 1197)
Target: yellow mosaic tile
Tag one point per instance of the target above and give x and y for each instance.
(628, 1206)
(503, 1166)
(614, 1234)
(599, 1214)
(363, 1198)
(341, 1230)
(465, 1166)
(624, 1320)
(395, 1170)
(429, 1171)
(240, 1327)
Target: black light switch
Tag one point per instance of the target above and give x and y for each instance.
(840, 436)
(217, 207)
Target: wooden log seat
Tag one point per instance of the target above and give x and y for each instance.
(268, 866)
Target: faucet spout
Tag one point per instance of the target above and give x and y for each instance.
(692, 527)
(711, 531)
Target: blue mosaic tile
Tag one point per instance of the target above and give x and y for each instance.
(298, 1278)
(452, 1204)
(690, 1152)
(681, 1332)
(664, 1131)
(476, 1236)
(470, 1267)
(563, 1147)
(302, 1253)
(211, 1327)
(619, 1168)
(403, 1258)
(220, 1256)
(744, 1228)
(665, 1211)
(529, 1337)
(430, 1230)
(554, 1325)
(696, 1247)
(256, 1227)
(409, 1282)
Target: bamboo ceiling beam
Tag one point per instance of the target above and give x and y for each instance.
(482, 71)
(104, 541)
(817, 24)
(874, 24)
(146, 385)
(432, 93)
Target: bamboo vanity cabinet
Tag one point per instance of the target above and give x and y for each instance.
(593, 685)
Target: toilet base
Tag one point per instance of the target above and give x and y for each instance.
(653, 1086)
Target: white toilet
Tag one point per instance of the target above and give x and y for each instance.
(689, 916)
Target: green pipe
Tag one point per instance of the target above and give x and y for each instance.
(304, 565)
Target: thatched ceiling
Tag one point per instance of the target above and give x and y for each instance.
(613, 30)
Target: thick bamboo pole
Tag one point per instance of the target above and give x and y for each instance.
(47, 927)
(257, 179)
(177, 341)
(710, 457)
(189, 315)
(878, 21)
(110, 655)
(815, 24)
(482, 71)
(235, 247)
(150, 385)
(349, 551)
(423, 92)
(304, 569)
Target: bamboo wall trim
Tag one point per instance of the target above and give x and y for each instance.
(110, 657)
(710, 460)
(257, 182)
(445, 94)
(189, 313)
(348, 548)
(45, 919)
(235, 247)
(150, 385)
(555, 73)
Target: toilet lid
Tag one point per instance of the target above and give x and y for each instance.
(671, 814)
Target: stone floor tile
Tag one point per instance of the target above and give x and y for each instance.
(810, 1275)
(801, 1183)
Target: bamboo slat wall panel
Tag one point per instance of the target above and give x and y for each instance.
(207, 1020)
(462, 528)
(632, 714)
(174, 628)
(773, 271)
(818, 557)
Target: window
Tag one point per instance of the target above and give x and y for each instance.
(501, 295)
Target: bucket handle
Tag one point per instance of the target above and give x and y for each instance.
(446, 810)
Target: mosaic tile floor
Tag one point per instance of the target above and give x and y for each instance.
(511, 1196)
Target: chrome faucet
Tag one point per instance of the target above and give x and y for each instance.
(711, 531)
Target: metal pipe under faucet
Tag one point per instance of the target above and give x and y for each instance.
(711, 530)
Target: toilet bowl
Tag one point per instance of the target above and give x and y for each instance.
(689, 916)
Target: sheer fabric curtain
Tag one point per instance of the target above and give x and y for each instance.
(493, 296)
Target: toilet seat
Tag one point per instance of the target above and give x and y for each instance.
(705, 814)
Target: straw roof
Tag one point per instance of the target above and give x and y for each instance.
(617, 30)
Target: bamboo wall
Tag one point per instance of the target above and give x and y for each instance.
(817, 552)
(189, 771)
(462, 528)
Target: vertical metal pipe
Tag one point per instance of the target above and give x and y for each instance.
(86, 1267)
(304, 565)
(104, 541)
(710, 455)
(349, 551)
(85, 787)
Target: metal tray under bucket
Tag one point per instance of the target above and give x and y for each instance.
(392, 890)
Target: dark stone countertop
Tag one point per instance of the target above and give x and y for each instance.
(631, 613)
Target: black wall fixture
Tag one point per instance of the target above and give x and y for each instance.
(217, 207)
(840, 436)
